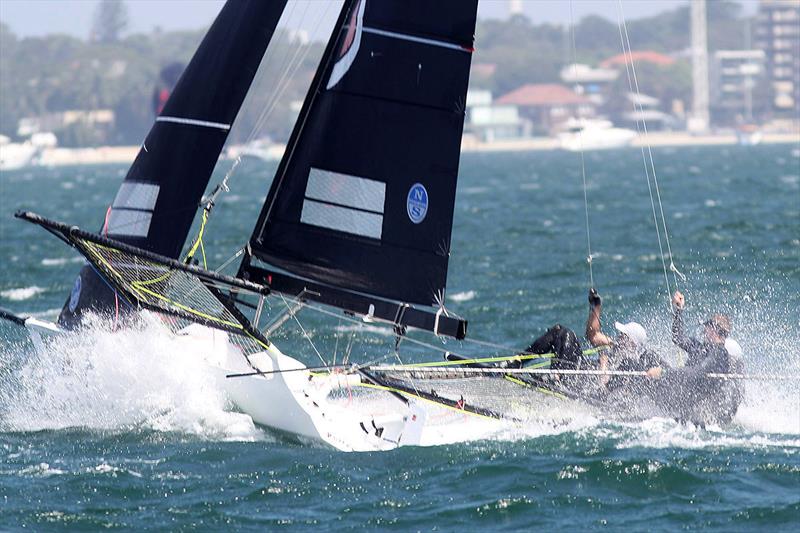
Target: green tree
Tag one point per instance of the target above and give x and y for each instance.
(110, 20)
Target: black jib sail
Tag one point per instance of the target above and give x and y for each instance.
(361, 208)
(156, 204)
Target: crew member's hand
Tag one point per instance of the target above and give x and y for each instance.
(654, 373)
(594, 298)
(678, 300)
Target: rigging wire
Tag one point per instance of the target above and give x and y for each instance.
(633, 83)
(305, 334)
(282, 70)
(511, 351)
(583, 159)
(289, 65)
(288, 71)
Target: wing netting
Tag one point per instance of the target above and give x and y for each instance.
(495, 395)
(181, 295)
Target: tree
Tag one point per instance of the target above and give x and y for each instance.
(110, 20)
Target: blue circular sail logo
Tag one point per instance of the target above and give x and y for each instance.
(75, 295)
(417, 203)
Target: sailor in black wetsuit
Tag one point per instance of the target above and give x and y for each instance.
(626, 351)
(687, 393)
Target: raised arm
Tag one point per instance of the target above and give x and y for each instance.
(593, 333)
(678, 335)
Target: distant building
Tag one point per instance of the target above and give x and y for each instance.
(645, 110)
(589, 81)
(735, 75)
(640, 56)
(778, 35)
(98, 119)
(548, 105)
(481, 74)
(488, 121)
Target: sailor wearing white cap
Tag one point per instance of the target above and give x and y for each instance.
(628, 349)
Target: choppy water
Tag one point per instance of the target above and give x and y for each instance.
(119, 430)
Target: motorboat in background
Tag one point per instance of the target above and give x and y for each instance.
(19, 155)
(594, 134)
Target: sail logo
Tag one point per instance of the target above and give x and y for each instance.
(75, 295)
(417, 203)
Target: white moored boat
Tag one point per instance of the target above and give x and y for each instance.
(594, 134)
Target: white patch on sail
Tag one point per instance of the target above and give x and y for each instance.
(344, 203)
(136, 195)
(129, 223)
(342, 219)
(345, 62)
(346, 190)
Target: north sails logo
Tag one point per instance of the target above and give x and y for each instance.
(75, 295)
(417, 203)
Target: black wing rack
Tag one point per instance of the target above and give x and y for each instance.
(182, 293)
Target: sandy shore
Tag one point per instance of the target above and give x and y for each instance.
(126, 154)
(88, 156)
(653, 139)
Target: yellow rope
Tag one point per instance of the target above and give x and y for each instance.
(198, 242)
(525, 357)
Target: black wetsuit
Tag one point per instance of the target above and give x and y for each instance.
(624, 360)
(686, 393)
(563, 343)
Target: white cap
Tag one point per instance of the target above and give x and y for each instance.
(634, 332)
(733, 348)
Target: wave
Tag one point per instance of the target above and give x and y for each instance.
(21, 294)
(58, 261)
(464, 296)
(137, 378)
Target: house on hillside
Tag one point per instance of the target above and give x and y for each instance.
(592, 82)
(645, 110)
(548, 106)
(638, 56)
(488, 121)
(75, 127)
(481, 74)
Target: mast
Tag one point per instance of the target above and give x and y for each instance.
(699, 121)
(157, 202)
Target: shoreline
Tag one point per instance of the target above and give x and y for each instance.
(652, 139)
(54, 157)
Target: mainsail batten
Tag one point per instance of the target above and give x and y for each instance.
(159, 197)
(363, 201)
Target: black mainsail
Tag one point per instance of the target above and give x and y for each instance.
(158, 200)
(360, 212)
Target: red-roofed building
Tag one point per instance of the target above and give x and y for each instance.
(548, 105)
(643, 56)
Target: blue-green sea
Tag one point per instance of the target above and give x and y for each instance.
(110, 430)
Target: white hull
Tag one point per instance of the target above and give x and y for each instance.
(298, 402)
(335, 409)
